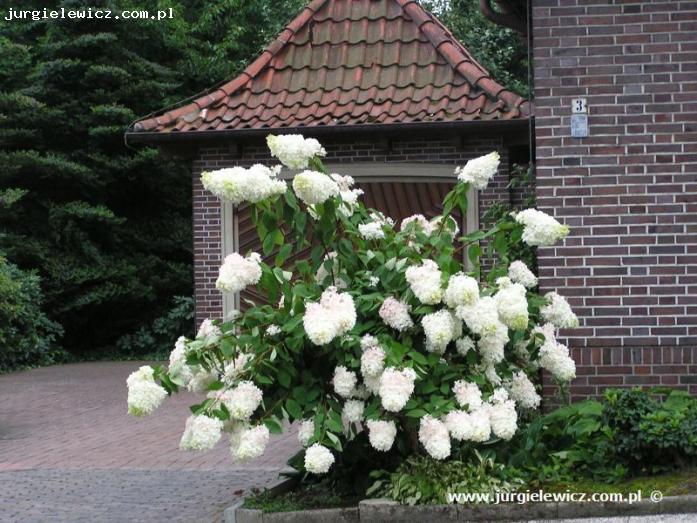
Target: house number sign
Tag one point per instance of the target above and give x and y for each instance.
(579, 118)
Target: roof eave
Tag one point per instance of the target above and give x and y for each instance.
(133, 137)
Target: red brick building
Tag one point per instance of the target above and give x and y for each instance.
(628, 190)
(398, 102)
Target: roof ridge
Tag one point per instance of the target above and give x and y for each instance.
(442, 45)
(251, 71)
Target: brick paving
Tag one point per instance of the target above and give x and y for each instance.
(69, 452)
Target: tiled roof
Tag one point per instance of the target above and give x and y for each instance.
(351, 62)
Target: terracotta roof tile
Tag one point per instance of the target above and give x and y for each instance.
(347, 62)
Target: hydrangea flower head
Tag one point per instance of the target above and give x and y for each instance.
(201, 433)
(238, 184)
(558, 312)
(381, 434)
(434, 436)
(424, 281)
(144, 395)
(540, 228)
(396, 387)
(294, 150)
(518, 272)
(238, 272)
(318, 459)
(395, 314)
(479, 171)
(313, 187)
(461, 290)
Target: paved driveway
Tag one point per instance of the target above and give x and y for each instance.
(69, 452)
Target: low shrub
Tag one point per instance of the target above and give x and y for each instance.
(627, 433)
(568, 443)
(27, 336)
(654, 430)
(423, 480)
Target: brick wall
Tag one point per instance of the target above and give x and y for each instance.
(207, 237)
(629, 190)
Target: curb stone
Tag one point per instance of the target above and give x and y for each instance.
(280, 486)
(385, 510)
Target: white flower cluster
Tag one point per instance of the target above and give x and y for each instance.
(461, 290)
(375, 228)
(540, 228)
(467, 394)
(306, 431)
(395, 314)
(344, 381)
(144, 395)
(208, 330)
(498, 415)
(554, 356)
(318, 459)
(353, 411)
(434, 436)
(248, 442)
(558, 312)
(372, 361)
(440, 328)
(201, 379)
(464, 345)
(238, 272)
(349, 196)
(201, 433)
(503, 417)
(522, 391)
(469, 426)
(512, 304)
(416, 222)
(424, 281)
(313, 187)
(294, 150)
(396, 387)
(480, 170)
(381, 434)
(333, 316)
(235, 367)
(242, 400)
(518, 272)
(483, 318)
(237, 184)
(179, 372)
(450, 227)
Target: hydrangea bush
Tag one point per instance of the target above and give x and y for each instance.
(385, 331)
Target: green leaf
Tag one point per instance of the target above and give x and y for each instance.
(294, 409)
(336, 443)
(283, 378)
(283, 253)
(273, 425)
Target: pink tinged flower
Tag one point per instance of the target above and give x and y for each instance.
(434, 436)
(344, 381)
(395, 314)
(396, 387)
